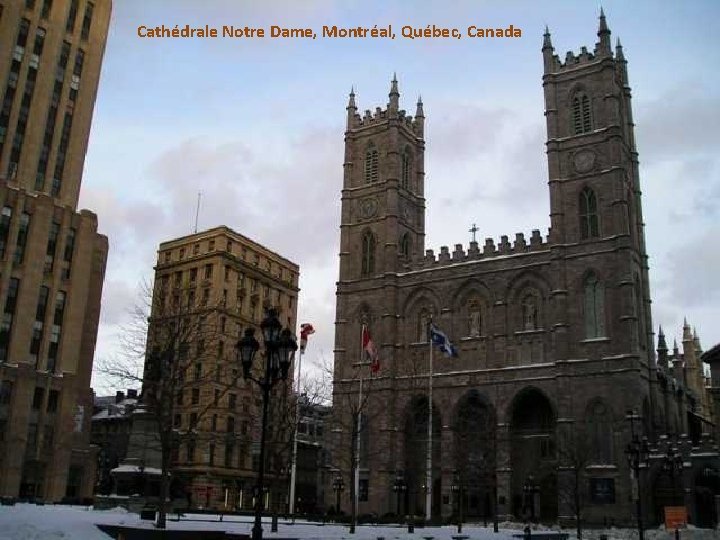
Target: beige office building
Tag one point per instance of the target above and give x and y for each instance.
(52, 259)
(222, 282)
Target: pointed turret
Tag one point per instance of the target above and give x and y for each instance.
(351, 109)
(619, 54)
(662, 346)
(662, 350)
(394, 96)
(676, 351)
(419, 118)
(603, 46)
(696, 343)
(548, 52)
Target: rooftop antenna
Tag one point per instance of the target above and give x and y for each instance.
(197, 210)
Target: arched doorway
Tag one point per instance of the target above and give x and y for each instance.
(416, 443)
(474, 456)
(534, 458)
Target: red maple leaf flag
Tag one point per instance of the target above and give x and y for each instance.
(370, 350)
(305, 330)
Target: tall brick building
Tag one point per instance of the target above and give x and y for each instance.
(52, 259)
(554, 332)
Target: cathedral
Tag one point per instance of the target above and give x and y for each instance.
(556, 373)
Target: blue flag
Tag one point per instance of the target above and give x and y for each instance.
(442, 342)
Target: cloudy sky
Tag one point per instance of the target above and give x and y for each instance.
(256, 125)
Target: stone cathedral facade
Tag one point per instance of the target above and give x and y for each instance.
(554, 332)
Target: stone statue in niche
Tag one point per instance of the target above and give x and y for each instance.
(474, 319)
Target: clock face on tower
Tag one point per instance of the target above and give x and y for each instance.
(368, 208)
(584, 161)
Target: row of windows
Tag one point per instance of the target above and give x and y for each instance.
(72, 15)
(266, 264)
(21, 241)
(36, 339)
(26, 100)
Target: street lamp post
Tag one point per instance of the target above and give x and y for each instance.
(637, 452)
(399, 487)
(279, 346)
(338, 488)
(674, 465)
(456, 488)
(530, 489)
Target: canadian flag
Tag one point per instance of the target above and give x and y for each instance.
(370, 350)
(305, 330)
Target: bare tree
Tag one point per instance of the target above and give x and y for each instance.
(575, 453)
(172, 349)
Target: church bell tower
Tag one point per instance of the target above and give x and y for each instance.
(383, 204)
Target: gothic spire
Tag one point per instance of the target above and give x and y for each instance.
(419, 113)
(351, 108)
(394, 95)
(603, 46)
(662, 346)
(619, 50)
(547, 42)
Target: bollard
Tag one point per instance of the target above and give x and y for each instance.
(274, 526)
(677, 533)
(527, 532)
(411, 523)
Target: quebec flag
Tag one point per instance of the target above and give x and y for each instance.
(442, 342)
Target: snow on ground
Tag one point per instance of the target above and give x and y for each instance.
(31, 522)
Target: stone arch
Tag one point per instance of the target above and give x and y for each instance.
(533, 419)
(475, 454)
(415, 453)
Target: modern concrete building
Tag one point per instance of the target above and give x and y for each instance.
(52, 259)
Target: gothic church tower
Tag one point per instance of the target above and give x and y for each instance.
(383, 204)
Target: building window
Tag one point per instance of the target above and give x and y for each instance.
(600, 433)
(51, 247)
(195, 396)
(371, 164)
(588, 214)
(47, 6)
(230, 424)
(5, 217)
(53, 398)
(72, 15)
(211, 454)
(406, 172)
(229, 451)
(363, 490)
(208, 271)
(594, 307)
(582, 122)
(87, 20)
(405, 247)
(7, 317)
(22, 238)
(38, 398)
(6, 388)
(368, 254)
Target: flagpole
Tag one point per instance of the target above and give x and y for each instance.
(293, 466)
(428, 472)
(356, 479)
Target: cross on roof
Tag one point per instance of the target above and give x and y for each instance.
(473, 230)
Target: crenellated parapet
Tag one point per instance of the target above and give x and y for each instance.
(488, 250)
(380, 116)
